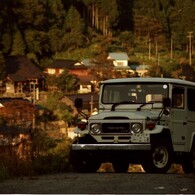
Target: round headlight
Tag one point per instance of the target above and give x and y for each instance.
(136, 127)
(95, 129)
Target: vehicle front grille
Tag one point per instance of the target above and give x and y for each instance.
(115, 128)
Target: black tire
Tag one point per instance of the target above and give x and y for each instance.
(120, 166)
(159, 159)
(83, 161)
(188, 160)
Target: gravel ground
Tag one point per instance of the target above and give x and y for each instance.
(101, 183)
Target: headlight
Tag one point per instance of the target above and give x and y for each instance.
(136, 128)
(95, 128)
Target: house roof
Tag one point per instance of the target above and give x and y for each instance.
(118, 56)
(9, 99)
(20, 68)
(61, 64)
(85, 79)
(79, 67)
(88, 62)
(140, 67)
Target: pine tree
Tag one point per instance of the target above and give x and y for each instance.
(74, 23)
(18, 47)
(55, 14)
(74, 27)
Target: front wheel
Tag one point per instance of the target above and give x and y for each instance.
(160, 158)
(84, 162)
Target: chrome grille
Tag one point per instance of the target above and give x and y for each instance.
(115, 128)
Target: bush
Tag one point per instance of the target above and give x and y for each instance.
(55, 160)
(49, 156)
(4, 173)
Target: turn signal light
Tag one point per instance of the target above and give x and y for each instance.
(150, 125)
(82, 125)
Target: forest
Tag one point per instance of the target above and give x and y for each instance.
(75, 29)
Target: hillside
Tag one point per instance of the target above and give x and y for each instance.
(155, 32)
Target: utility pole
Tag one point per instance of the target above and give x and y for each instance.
(149, 49)
(91, 105)
(171, 49)
(190, 47)
(156, 47)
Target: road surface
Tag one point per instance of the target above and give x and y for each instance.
(101, 183)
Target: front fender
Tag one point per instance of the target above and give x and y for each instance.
(79, 131)
(158, 129)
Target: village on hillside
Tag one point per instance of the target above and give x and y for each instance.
(25, 81)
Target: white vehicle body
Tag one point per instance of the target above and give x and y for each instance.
(133, 117)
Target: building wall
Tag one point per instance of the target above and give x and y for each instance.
(119, 63)
(9, 88)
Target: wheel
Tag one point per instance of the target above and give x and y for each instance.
(188, 163)
(120, 166)
(160, 158)
(84, 162)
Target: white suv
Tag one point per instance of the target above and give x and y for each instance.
(150, 121)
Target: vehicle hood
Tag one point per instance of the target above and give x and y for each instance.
(128, 114)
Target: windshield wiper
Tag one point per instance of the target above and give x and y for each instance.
(142, 105)
(119, 103)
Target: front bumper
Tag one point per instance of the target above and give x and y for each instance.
(111, 147)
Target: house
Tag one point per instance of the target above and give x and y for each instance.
(141, 69)
(120, 59)
(57, 67)
(86, 83)
(79, 70)
(88, 62)
(22, 75)
(86, 80)
(75, 68)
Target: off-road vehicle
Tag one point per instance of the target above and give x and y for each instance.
(150, 121)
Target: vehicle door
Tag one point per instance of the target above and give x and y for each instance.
(190, 116)
(178, 118)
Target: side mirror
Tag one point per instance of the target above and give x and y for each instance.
(78, 103)
(166, 102)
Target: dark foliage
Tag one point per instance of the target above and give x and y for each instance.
(47, 30)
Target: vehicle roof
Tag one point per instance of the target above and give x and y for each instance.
(150, 80)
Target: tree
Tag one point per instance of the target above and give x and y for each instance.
(127, 39)
(55, 14)
(74, 26)
(60, 110)
(17, 112)
(18, 47)
(67, 82)
(2, 67)
(73, 23)
(30, 14)
(56, 20)
(56, 39)
(37, 42)
(182, 20)
(6, 26)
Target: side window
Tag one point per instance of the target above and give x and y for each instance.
(191, 98)
(178, 97)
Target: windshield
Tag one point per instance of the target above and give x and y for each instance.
(134, 93)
